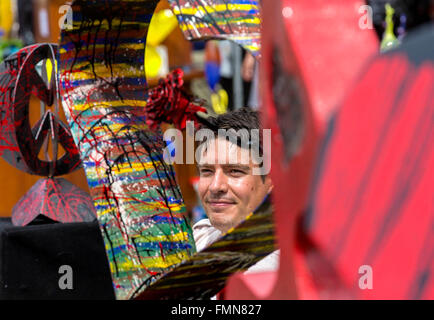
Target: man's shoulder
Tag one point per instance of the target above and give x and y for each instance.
(204, 234)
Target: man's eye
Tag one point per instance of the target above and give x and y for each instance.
(236, 172)
(205, 172)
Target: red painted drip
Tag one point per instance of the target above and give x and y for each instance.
(161, 250)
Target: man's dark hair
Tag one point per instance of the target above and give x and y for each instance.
(244, 118)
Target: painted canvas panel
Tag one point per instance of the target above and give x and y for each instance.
(138, 202)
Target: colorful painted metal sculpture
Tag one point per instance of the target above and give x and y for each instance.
(237, 20)
(114, 120)
(20, 143)
(138, 202)
(205, 274)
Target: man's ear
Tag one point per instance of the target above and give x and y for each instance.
(269, 183)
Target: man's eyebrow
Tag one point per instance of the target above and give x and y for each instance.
(205, 165)
(236, 166)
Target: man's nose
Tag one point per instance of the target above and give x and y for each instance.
(219, 183)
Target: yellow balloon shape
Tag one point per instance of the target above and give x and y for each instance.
(152, 62)
(162, 24)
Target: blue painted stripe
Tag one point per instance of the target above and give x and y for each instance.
(155, 246)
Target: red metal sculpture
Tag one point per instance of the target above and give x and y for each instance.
(306, 68)
(21, 143)
(354, 211)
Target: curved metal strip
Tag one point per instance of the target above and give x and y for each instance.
(236, 20)
(138, 202)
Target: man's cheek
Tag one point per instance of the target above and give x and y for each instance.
(201, 190)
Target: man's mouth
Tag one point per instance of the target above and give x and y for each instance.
(220, 203)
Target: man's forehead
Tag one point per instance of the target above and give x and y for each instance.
(223, 143)
(223, 150)
(225, 166)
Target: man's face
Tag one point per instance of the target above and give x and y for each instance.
(228, 189)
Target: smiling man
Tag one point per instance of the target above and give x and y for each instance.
(232, 182)
(229, 190)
